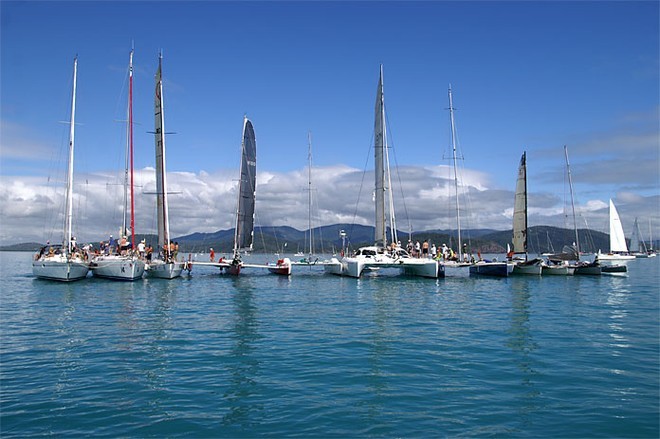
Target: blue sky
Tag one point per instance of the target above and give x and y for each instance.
(528, 76)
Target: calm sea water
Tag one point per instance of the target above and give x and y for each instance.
(321, 356)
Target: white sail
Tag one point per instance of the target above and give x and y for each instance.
(617, 237)
(520, 209)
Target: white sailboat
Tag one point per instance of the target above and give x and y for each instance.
(64, 262)
(637, 245)
(163, 265)
(618, 246)
(458, 267)
(126, 264)
(379, 256)
(522, 265)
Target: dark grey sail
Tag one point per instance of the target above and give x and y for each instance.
(243, 237)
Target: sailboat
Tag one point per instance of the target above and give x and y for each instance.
(618, 246)
(572, 253)
(126, 265)
(457, 267)
(163, 265)
(524, 265)
(64, 262)
(637, 245)
(379, 255)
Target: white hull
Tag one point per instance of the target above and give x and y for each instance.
(455, 269)
(164, 270)
(59, 268)
(614, 257)
(355, 266)
(118, 267)
(644, 255)
(558, 270)
(533, 267)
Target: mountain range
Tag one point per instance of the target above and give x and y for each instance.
(285, 239)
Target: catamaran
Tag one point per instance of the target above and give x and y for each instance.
(126, 265)
(379, 255)
(164, 264)
(64, 262)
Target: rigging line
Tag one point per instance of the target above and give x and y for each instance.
(398, 174)
(364, 172)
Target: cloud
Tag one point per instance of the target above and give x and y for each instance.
(31, 209)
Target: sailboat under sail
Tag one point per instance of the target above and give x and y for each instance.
(64, 262)
(163, 265)
(126, 263)
(618, 246)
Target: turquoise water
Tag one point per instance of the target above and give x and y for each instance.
(315, 355)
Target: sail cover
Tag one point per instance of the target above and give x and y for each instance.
(520, 209)
(380, 235)
(246, 189)
(161, 183)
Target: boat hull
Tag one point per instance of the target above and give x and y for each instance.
(127, 268)
(282, 267)
(533, 267)
(557, 270)
(589, 269)
(164, 270)
(614, 257)
(60, 269)
(495, 269)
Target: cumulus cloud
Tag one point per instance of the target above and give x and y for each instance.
(424, 199)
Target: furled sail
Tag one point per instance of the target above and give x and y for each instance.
(380, 235)
(520, 209)
(161, 181)
(246, 189)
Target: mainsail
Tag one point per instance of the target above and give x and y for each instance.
(161, 180)
(246, 190)
(617, 237)
(520, 209)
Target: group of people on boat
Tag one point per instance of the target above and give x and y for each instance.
(429, 250)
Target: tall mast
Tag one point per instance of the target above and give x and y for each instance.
(380, 236)
(69, 182)
(161, 182)
(570, 185)
(130, 137)
(453, 145)
(309, 195)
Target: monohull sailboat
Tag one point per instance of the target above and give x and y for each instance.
(64, 262)
(381, 254)
(163, 265)
(522, 265)
(126, 264)
(618, 246)
(638, 247)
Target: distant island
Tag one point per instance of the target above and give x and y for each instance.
(284, 239)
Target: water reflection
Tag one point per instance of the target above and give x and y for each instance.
(522, 345)
(242, 364)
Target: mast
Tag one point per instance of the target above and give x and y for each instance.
(309, 195)
(453, 145)
(128, 170)
(380, 237)
(69, 182)
(130, 137)
(161, 182)
(570, 185)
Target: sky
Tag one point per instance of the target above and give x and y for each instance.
(525, 76)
